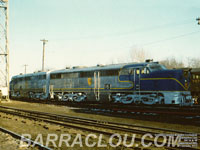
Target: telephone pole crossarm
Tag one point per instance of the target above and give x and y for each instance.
(25, 66)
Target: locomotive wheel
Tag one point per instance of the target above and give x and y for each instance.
(75, 98)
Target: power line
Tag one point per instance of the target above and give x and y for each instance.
(171, 38)
(187, 21)
(167, 39)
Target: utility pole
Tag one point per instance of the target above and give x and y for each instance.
(198, 19)
(43, 56)
(4, 50)
(25, 68)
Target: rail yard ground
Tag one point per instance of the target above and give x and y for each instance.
(7, 142)
(22, 125)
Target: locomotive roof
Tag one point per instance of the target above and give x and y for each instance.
(118, 66)
(29, 74)
(85, 69)
(106, 67)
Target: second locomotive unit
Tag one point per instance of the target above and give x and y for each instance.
(134, 83)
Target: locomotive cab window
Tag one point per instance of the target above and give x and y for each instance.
(156, 67)
(146, 71)
(185, 74)
(124, 72)
(137, 71)
(142, 71)
(131, 71)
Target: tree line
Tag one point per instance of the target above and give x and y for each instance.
(140, 55)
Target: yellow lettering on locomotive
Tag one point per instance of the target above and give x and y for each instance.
(89, 81)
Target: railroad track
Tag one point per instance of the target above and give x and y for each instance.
(19, 137)
(174, 110)
(94, 126)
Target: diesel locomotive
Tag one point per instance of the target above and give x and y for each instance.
(133, 83)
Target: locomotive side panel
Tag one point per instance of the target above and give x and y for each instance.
(144, 83)
(29, 86)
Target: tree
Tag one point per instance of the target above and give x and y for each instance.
(171, 63)
(193, 62)
(138, 55)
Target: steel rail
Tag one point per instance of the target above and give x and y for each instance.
(54, 119)
(17, 136)
(175, 110)
(92, 122)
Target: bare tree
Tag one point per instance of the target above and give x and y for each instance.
(171, 63)
(193, 62)
(138, 55)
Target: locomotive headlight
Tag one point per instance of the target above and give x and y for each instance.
(185, 81)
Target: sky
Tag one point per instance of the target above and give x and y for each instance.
(90, 32)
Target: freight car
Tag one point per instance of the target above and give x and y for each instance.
(136, 83)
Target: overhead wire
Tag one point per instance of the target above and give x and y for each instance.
(184, 22)
(172, 38)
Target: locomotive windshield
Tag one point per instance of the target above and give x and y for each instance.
(157, 67)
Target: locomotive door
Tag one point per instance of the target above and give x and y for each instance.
(137, 72)
(97, 84)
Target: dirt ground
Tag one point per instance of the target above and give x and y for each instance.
(34, 128)
(7, 142)
(65, 110)
(25, 126)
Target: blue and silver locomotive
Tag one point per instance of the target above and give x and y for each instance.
(134, 83)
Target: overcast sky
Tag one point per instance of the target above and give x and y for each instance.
(90, 32)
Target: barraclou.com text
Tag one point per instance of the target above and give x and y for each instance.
(93, 140)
